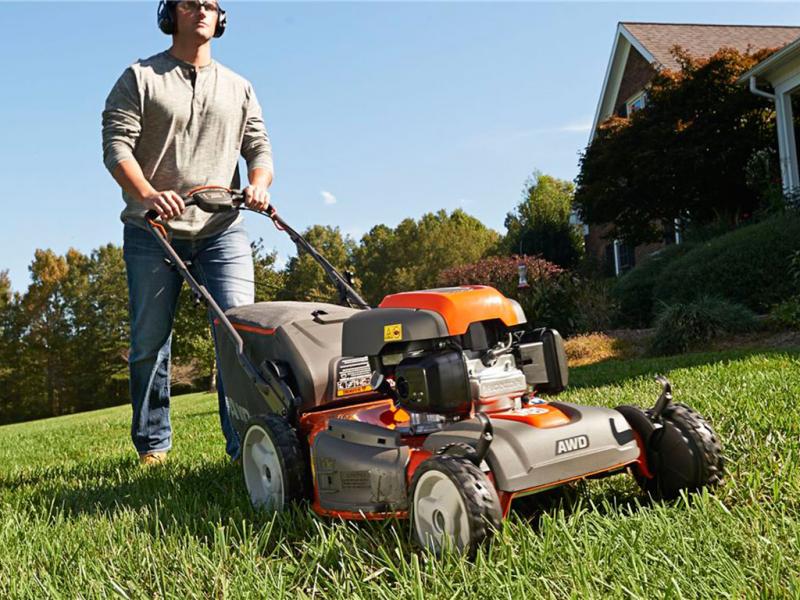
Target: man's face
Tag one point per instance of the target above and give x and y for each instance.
(196, 18)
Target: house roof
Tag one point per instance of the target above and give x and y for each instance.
(775, 60)
(654, 41)
(704, 40)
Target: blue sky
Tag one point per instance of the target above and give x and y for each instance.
(377, 111)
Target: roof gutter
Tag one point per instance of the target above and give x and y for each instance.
(754, 89)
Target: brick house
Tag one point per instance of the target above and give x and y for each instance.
(638, 52)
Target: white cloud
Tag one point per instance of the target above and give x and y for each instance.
(578, 127)
(327, 197)
(582, 126)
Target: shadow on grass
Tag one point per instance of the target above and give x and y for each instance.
(196, 500)
(613, 497)
(616, 372)
(186, 498)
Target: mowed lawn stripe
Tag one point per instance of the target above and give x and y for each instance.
(80, 518)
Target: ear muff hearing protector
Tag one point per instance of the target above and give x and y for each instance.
(166, 18)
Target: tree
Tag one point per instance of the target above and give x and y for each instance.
(5, 289)
(682, 156)
(304, 278)
(412, 255)
(101, 333)
(269, 281)
(540, 224)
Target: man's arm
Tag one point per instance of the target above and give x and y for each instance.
(257, 152)
(167, 203)
(122, 125)
(256, 195)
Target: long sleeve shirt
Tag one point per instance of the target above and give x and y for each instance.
(186, 127)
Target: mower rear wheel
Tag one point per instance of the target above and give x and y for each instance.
(273, 462)
(686, 453)
(453, 504)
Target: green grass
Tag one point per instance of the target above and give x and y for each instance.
(79, 518)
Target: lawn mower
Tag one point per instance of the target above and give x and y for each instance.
(436, 405)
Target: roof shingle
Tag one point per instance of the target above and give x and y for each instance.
(704, 40)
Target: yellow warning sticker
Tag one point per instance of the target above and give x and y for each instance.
(392, 333)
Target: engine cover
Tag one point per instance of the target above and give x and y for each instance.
(461, 306)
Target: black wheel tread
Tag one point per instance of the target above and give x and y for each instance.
(697, 433)
(477, 492)
(290, 452)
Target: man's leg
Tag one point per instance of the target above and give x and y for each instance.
(224, 264)
(153, 288)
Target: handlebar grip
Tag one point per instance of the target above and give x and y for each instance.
(151, 215)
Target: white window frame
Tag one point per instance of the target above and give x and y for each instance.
(786, 139)
(629, 110)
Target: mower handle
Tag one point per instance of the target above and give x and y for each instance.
(211, 200)
(214, 199)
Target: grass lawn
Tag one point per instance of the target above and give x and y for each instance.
(80, 518)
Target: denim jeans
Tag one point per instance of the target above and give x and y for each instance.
(224, 264)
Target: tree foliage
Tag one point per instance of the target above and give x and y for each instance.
(65, 339)
(540, 224)
(413, 254)
(304, 278)
(5, 289)
(684, 155)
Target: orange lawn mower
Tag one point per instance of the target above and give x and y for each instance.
(426, 407)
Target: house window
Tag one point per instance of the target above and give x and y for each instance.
(620, 258)
(635, 103)
(626, 257)
(672, 232)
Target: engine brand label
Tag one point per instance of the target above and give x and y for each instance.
(353, 377)
(393, 333)
(579, 442)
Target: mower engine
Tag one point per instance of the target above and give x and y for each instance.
(444, 354)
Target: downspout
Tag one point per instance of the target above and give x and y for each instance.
(754, 89)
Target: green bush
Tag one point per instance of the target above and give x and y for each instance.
(750, 266)
(595, 309)
(786, 315)
(633, 292)
(682, 327)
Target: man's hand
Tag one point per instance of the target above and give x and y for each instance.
(256, 197)
(168, 204)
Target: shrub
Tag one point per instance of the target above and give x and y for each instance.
(748, 266)
(633, 292)
(595, 308)
(549, 300)
(786, 315)
(682, 327)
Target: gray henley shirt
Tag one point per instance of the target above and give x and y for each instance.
(186, 127)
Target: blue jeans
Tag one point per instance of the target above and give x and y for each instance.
(224, 264)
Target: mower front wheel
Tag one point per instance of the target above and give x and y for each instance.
(685, 454)
(273, 462)
(453, 504)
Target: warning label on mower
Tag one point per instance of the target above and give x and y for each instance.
(353, 376)
(392, 333)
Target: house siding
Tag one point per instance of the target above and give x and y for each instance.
(638, 73)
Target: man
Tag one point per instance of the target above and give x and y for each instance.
(173, 122)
